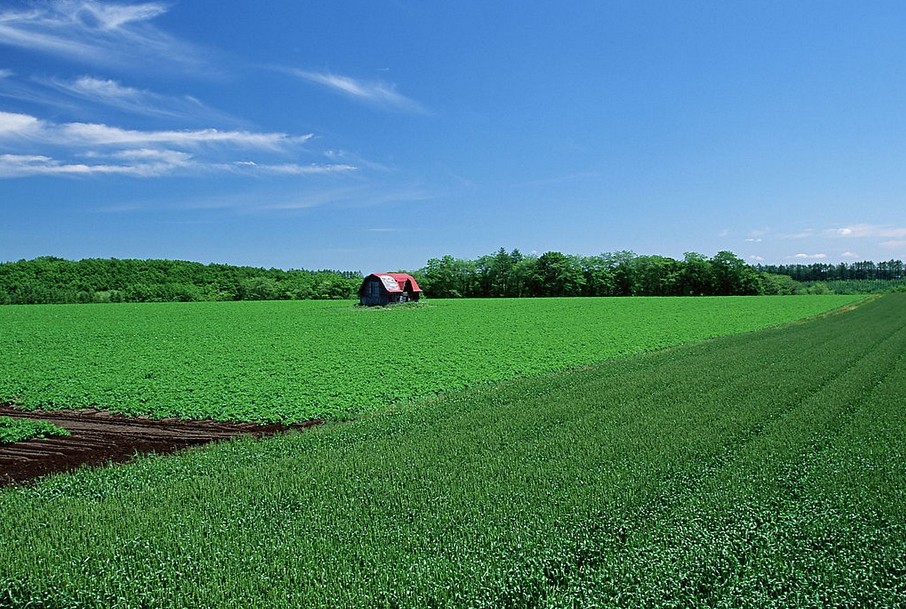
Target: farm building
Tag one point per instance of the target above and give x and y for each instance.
(387, 288)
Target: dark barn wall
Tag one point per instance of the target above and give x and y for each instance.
(373, 293)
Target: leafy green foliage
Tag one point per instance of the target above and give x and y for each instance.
(610, 274)
(628, 274)
(866, 270)
(55, 280)
(16, 430)
(291, 361)
(855, 286)
(756, 470)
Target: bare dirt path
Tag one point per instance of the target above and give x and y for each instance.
(100, 437)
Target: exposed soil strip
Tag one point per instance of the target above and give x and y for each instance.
(100, 437)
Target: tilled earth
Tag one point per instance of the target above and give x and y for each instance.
(99, 438)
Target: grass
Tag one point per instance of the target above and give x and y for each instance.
(292, 361)
(755, 470)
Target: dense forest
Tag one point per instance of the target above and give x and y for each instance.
(55, 280)
(513, 274)
(500, 275)
(866, 270)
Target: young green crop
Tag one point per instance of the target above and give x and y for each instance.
(757, 470)
(290, 361)
(17, 430)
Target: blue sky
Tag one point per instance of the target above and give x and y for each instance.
(372, 136)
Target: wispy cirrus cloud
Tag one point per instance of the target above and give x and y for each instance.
(71, 94)
(98, 33)
(114, 94)
(21, 165)
(47, 148)
(150, 164)
(374, 92)
(867, 230)
(291, 168)
(105, 135)
(30, 128)
(104, 90)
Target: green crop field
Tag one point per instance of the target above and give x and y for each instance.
(16, 430)
(764, 469)
(297, 360)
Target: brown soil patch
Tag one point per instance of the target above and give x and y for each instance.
(99, 438)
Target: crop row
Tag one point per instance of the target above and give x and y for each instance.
(290, 361)
(758, 470)
(16, 430)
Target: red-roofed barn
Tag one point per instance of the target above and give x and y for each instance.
(387, 288)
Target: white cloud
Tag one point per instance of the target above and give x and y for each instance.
(810, 256)
(168, 157)
(312, 169)
(95, 134)
(113, 150)
(113, 16)
(849, 255)
(868, 230)
(6, 73)
(104, 88)
(105, 135)
(374, 92)
(109, 92)
(129, 99)
(18, 125)
(95, 32)
(757, 258)
(754, 240)
(14, 165)
(287, 168)
(894, 244)
(145, 163)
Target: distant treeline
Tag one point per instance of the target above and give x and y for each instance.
(500, 275)
(55, 280)
(513, 274)
(866, 270)
(843, 278)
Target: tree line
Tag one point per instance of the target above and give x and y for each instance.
(890, 270)
(55, 280)
(513, 275)
(499, 275)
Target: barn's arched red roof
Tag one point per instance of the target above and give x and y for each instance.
(396, 282)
